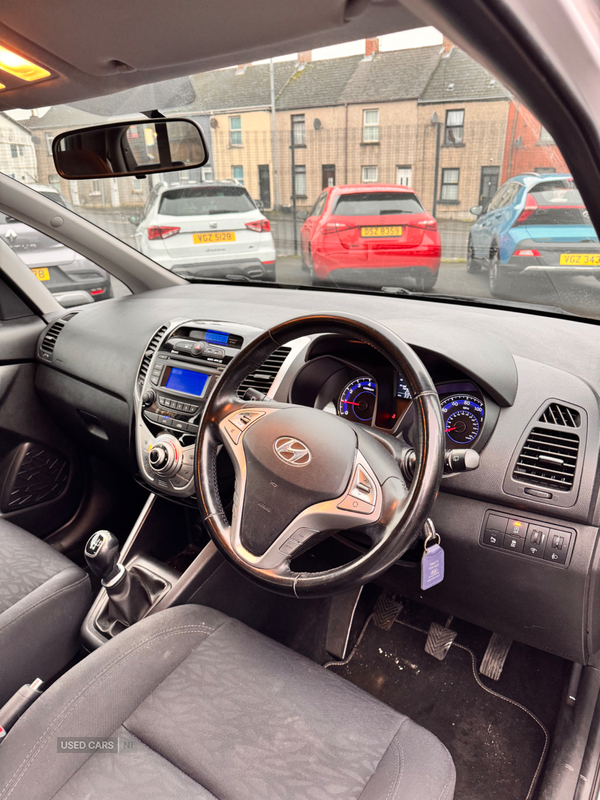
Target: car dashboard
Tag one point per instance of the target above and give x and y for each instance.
(519, 532)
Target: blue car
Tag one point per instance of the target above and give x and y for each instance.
(534, 223)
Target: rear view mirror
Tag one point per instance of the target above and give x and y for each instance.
(136, 148)
(477, 210)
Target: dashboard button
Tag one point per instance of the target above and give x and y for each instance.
(496, 523)
(493, 537)
(514, 543)
(516, 527)
(536, 541)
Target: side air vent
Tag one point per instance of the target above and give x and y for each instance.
(49, 341)
(150, 350)
(557, 414)
(262, 378)
(548, 458)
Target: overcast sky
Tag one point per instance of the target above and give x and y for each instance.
(420, 37)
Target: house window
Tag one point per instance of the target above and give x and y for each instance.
(369, 174)
(17, 150)
(404, 175)
(95, 188)
(544, 170)
(545, 137)
(237, 173)
(136, 186)
(49, 140)
(206, 173)
(455, 127)
(450, 185)
(371, 125)
(298, 130)
(300, 180)
(235, 131)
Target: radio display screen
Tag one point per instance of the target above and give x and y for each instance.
(216, 337)
(187, 381)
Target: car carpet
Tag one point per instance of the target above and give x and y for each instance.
(496, 745)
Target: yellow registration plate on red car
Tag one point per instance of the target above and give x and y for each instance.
(580, 259)
(381, 230)
(42, 273)
(210, 238)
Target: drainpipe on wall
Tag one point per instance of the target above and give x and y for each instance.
(274, 136)
(512, 140)
(346, 145)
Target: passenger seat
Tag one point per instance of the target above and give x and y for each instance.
(43, 600)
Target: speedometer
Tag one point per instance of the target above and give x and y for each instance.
(463, 418)
(358, 399)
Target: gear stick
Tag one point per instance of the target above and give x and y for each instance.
(128, 599)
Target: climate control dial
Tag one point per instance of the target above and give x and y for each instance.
(164, 455)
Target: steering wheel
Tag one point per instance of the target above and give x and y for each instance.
(302, 474)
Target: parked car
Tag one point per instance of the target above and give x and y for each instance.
(534, 223)
(60, 268)
(371, 234)
(210, 229)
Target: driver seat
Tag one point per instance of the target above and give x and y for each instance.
(212, 709)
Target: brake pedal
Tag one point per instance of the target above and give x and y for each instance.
(439, 640)
(386, 610)
(495, 656)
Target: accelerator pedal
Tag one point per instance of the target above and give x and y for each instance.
(495, 656)
(439, 640)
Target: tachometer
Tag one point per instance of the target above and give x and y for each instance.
(463, 418)
(357, 401)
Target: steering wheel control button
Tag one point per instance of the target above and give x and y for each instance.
(514, 543)
(296, 539)
(494, 538)
(516, 527)
(351, 503)
(233, 431)
(246, 418)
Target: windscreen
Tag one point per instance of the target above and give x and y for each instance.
(373, 204)
(308, 186)
(200, 201)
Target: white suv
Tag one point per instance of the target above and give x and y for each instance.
(207, 229)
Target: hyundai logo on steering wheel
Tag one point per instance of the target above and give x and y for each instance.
(292, 451)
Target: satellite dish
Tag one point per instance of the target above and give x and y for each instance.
(214, 122)
(317, 124)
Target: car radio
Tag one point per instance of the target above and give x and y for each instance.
(176, 377)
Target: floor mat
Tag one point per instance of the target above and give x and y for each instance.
(496, 746)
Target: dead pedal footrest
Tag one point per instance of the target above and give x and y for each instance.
(495, 656)
(439, 640)
(386, 610)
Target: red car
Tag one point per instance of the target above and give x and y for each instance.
(375, 235)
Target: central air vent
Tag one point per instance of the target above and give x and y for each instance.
(262, 378)
(150, 350)
(557, 414)
(549, 459)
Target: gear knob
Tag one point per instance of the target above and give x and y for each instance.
(102, 554)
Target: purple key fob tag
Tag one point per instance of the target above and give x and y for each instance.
(432, 567)
(432, 563)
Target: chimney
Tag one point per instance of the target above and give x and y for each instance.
(447, 45)
(305, 57)
(241, 69)
(371, 46)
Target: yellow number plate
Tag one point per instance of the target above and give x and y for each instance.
(209, 238)
(581, 259)
(383, 230)
(43, 273)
